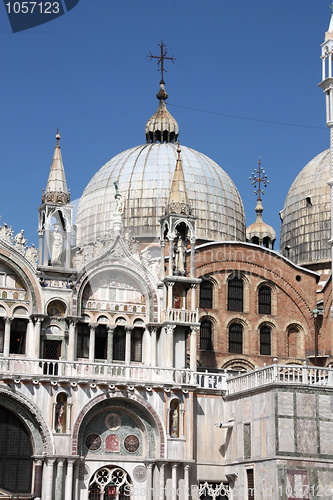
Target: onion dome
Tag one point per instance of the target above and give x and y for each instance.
(161, 127)
(306, 217)
(56, 188)
(259, 232)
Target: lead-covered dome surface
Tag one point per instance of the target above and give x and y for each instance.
(305, 228)
(144, 174)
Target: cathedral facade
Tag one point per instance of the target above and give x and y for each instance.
(155, 347)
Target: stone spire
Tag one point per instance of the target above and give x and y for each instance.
(178, 201)
(56, 188)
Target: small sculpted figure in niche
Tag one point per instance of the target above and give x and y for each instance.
(174, 419)
(180, 251)
(56, 246)
(20, 241)
(59, 414)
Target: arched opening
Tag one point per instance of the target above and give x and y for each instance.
(206, 295)
(293, 334)
(136, 344)
(101, 342)
(110, 483)
(15, 454)
(119, 344)
(18, 332)
(265, 340)
(236, 338)
(2, 333)
(206, 335)
(265, 300)
(60, 415)
(56, 308)
(82, 347)
(235, 294)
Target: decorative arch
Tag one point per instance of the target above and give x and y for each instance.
(136, 400)
(295, 340)
(33, 419)
(237, 296)
(239, 363)
(19, 310)
(56, 306)
(22, 268)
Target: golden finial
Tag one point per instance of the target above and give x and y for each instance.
(58, 137)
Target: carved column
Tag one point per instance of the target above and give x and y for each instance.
(174, 482)
(38, 476)
(150, 487)
(170, 256)
(40, 247)
(48, 482)
(192, 269)
(69, 479)
(92, 343)
(170, 294)
(68, 247)
(128, 331)
(186, 482)
(194, 286)
(162, 481)
(193, 348)
(69, 417)
(30, 339)
(109, 355)
(71, 340)
(38, 323)
(6, 343)
(59, 479)
(169, 354)
(46, 246)
(162, 271)
(153, 345)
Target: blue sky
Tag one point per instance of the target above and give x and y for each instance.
(244, 64)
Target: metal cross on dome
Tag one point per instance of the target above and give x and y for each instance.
(162, 58)
(259, 178)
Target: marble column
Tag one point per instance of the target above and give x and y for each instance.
(162, 271)
(128, 331)
(47, 491)
(170, 295)
(170, 257)
(174, 481)
(68, 247)
(169, 354)
(7, 337)
(193, 348)
(149, 491)
(59, 479)
(186, 494)
(38, 323)
(40, 247)
(30, 339)
(109, 355)
(69, 479)
(92, 343)
(71, 340)
(38, 476)
(192, 271)
(162, 481)
(153, 345)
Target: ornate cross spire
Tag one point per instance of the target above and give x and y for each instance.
(161, 58)
(259, 178)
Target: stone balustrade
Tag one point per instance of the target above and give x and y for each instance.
(281, 374)
(16, 368)
(180, 315)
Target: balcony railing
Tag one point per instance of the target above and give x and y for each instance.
(106, 373)
(283, 374)
(181, 315)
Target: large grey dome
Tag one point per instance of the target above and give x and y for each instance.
(145, 175)
(305, 228)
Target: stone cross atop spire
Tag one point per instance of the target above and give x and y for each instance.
(56, 188)
(178, 201)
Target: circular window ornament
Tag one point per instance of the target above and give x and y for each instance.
(113, 421)
(93, 442)
(131, 443)
(140, 473)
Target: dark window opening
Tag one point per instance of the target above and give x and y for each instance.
(119, 344)
(15, 454)
(235, 295)
(83, 334)
(206, 295)
(18, 336)
(265, 340)
(236, 338)
(308, 202)
(136, 345)
(250, 484)
(101, 342)
(206, 336)
(265, 300)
